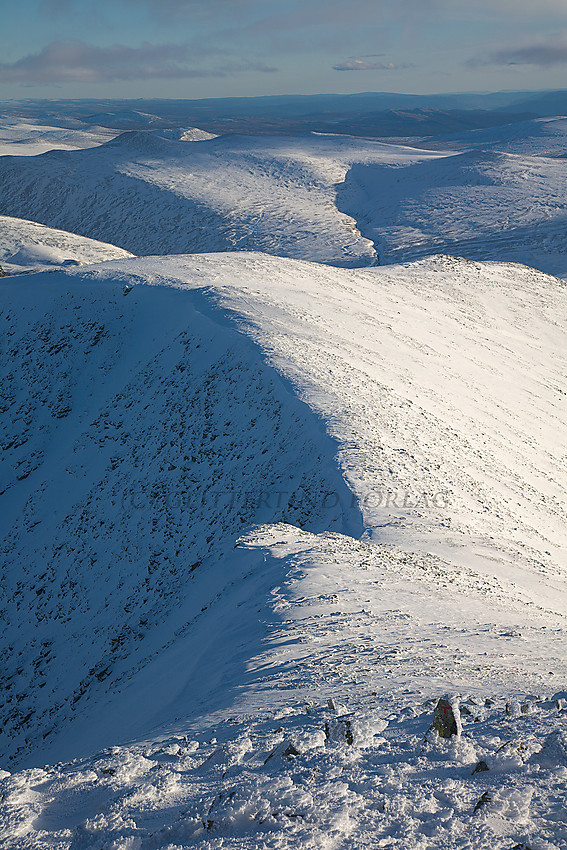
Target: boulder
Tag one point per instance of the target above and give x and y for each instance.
(447, 718)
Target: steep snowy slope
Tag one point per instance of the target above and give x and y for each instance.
(441, 384)
(140, 439)
(187, 399)
(152, 195)
(478, 204)
(273, 766)
(26, 245)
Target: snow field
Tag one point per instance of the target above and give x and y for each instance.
(155, 195)
(28, 246)
(260, 514)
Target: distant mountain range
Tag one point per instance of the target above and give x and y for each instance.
(367, 113)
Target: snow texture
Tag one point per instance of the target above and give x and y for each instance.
(194, 491)
(155, 195)
(259, 514)
(28, 246)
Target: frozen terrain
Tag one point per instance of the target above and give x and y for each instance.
(481, 204)
(539, 137)
(494, 194)
(246, 485)
(155, 195)
(28, 246)
(19, 137)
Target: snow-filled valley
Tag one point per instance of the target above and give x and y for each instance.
(261, 510)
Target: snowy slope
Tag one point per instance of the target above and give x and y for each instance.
(479, 204)
(147, 415)
(420, 410)
(330, 199)
(538, 137)
(152, 195)
(26, 245)
(23, 138)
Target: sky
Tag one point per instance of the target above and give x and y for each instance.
(221, 48)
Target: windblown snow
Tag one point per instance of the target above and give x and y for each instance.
(259, 513)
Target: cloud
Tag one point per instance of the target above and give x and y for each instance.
(364, 65)
(75, 61)
(543, 55)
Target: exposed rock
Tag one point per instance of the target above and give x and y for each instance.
(486, 798)
(285, 750)
(480, 767)
(339, 730)
(447, 718)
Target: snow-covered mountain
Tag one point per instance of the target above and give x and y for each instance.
(398, 435)
(258, 513)
(152, 195)
(27, 246)
(20, 137)
(332, 199)
(538, 137)
(25, 137)
(479, 204)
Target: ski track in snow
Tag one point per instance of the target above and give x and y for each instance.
(237, 486)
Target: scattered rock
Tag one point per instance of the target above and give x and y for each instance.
(486, 798)
(481, 767)
(339, 730)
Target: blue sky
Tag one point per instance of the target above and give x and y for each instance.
(216, 48)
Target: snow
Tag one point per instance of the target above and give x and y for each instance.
(497, 195)
(259, 513)
(28, 246)
(29, 138)
(538, 137)
(270, 194)
(479, 204)
(205, 639)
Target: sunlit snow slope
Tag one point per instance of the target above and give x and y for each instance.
(155, 195)
(26, 245)
(498, 194)
(20, 137)
(149, 428)
(236, 486)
